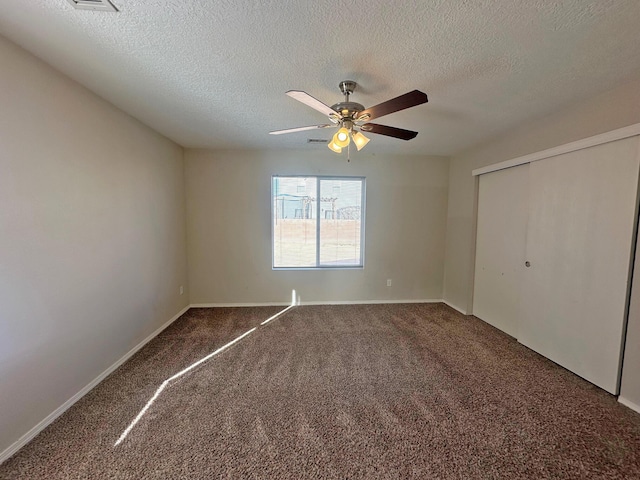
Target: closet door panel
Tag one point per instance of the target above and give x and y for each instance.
(579, 239)
(500, 246)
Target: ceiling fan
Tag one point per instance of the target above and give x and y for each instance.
(352, 118)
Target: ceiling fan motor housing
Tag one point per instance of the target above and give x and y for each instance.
(348, 109)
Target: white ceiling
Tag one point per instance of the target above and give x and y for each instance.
(213, 74)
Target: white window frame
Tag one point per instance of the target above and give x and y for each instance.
(319, 179)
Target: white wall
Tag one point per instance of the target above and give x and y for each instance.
(228, 225)
(614, 109)
(92, 238)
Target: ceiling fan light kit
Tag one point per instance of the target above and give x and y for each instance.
(341, 138)
(352, 118)
(334, 147)
(360, 140)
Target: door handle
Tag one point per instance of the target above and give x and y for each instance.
(527, 264)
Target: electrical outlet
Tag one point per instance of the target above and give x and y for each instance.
(181, 289)
(388, 282)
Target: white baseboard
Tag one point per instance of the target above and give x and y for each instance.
(27, 437)
(366, 302)
(313, 302)
(221, 305)
(462, 311)
(627, 403)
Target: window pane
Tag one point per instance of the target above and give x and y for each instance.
(340, 222)
(294, 221)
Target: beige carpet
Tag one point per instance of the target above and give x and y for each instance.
(367, 391)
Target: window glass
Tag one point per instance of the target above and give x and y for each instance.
(317, 222)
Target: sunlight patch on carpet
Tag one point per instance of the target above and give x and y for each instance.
(194, 365)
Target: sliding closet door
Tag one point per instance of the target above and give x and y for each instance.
(579, 240)
(500, 246)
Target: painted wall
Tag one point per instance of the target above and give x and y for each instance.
(228, 225)
(614, 109)
(92, 238)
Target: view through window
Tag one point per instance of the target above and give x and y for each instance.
(317, 222)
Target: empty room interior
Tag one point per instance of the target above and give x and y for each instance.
(357, 239)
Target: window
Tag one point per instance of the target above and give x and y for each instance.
(317, 222)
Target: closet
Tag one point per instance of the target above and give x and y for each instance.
(553, 252)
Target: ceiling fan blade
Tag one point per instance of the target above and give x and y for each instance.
(307, 99)
(408, 100)
(301, 129)
(400, 133)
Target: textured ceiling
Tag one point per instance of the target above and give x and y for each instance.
(213, 73)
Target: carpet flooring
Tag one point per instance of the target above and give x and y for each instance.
(349, 391)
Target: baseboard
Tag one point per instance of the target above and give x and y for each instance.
(27, 437)
(627, 403)
(221, 305)
(462, 311)
(367, 302)
(312, 302)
